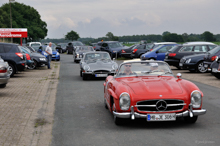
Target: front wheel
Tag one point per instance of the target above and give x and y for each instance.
(191, 120)
(118, 121)
(84, 77)
(2, 85)
(80, 73)
(217, 75)
(200, 67)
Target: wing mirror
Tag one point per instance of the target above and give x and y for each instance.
(179, 75)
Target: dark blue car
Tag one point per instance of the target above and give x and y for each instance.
(157, 53)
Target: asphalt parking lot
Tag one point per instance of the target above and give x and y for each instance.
(27, 104)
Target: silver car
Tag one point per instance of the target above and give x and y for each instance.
(4, 73)
(97, 64)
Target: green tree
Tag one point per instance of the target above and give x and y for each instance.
(165, 33)
(172, 37)
(23, 16)
(110, 36)
(208, 36)
(72, 35)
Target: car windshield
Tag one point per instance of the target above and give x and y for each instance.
(63, 45)
(93, 57)
(144, 68)
(84, 49)
(115, 45)
(77, 44)
(35, 46)
(215, 50)
(174, 48)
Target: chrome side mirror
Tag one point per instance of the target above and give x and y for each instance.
(179, 75)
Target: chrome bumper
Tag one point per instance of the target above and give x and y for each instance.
(134, 115)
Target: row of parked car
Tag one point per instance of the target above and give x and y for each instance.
(15, 58)
(194, 56)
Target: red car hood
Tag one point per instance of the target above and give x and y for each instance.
(153, 85)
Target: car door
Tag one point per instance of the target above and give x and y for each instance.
(184, 51)
(200, 49)
(2, 52)
(105, 47)
(162, 51)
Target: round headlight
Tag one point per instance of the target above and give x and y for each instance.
(115, 66)
(124, 101)
(196, 99)
(58, 53)
(86, 67)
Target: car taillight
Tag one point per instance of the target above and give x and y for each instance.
(3, 70)
(172, 54)
(28, 57)
(134, 51)
(213, 58)
(122, 51)
(20, 55)
(94, 47)
(151, 49)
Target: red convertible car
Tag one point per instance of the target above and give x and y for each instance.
(148, 89)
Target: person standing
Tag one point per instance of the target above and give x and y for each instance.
(49, 56)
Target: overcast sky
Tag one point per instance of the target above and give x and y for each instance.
(95, 18)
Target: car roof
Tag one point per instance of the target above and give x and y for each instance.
(8, 43)
(198, 43)
(163, 43)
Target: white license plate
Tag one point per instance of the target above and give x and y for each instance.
(101, 75)
(180, 64)
(205, 65)
(161, 117)
(53, 55)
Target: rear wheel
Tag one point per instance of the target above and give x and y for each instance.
(140, 56)
(11, 70)
(200, 67)
(191, 120)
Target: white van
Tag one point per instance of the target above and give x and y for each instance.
(34, 45)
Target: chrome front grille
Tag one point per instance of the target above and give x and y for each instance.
(160, 105)
(101, 72)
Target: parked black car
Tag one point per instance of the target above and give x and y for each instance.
(80, 51)
(215, 67)
(127, 52)
(13, 55)
(98, 45)
(39, 59)
(61, 47)
(113, 48)
(211, 56)
(71, 46)
(174, 55)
